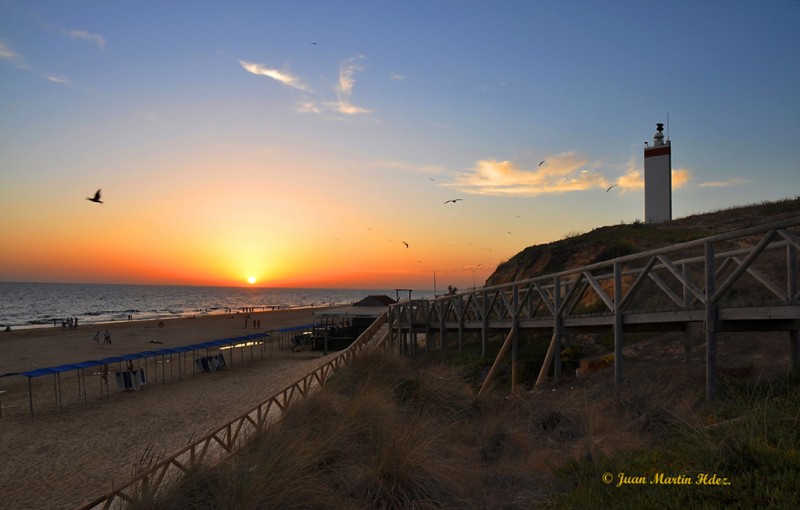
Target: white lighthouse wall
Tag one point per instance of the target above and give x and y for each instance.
(658, 188)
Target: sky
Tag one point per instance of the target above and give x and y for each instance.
(314, 143)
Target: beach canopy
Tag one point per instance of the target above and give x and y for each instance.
(57, 370)
(144, 354)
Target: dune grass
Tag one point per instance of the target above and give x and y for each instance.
(747, 456)
(392, 433)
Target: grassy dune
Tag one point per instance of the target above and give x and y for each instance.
(396, 434)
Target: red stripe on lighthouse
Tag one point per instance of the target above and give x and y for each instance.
(657, 151)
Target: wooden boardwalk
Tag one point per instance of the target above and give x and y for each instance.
(745, 280)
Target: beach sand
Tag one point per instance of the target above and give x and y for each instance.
(62, 458)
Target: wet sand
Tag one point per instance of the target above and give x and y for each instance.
(64, 457)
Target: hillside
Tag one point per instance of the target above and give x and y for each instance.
(609, 242)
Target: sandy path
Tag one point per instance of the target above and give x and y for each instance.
(63, 458)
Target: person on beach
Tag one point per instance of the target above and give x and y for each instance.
(107, 338)
(97, 337)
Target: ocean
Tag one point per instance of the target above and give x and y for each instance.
(31, 305)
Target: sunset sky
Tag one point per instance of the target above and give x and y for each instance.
(301, 143)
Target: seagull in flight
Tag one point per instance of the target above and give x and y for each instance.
(541, 162)
(95, 198)
(405, 243)
(454, 200)
(609, 188)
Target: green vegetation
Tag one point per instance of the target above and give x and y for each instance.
(750, 459)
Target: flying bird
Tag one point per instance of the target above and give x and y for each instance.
(405, 243)
(541, 162)
(95, 198)
(313, 44)
(454, 200)
(609, 188)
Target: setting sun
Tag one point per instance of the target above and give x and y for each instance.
(251, 280)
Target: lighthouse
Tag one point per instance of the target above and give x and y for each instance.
(658, 178)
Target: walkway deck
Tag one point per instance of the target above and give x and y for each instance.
(745, 280)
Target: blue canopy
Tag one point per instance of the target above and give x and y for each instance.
(144, 354)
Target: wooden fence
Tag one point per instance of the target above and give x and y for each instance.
(225, 439)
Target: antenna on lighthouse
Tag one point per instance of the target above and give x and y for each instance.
(667, 126)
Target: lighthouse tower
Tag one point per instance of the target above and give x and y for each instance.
(658, 179)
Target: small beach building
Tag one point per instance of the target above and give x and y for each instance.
(343, 324)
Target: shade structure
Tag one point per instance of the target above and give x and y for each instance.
(55, 371)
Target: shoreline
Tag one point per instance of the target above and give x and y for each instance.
(85, 322)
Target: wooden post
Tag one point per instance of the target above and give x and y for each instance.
(442, 322)
(500, 355)
(461, 314)
(617, 323)
(484, 323)
(791, 291)
(711, 324)
(687, 326)
(514, 338)
(554, 341)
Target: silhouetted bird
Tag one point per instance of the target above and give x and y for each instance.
(405, 243)
(454, 200)
(609, 188)
(541, 162)
(95, 198)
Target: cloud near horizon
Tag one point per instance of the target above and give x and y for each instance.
(410, 167)
(282, 77)
(558, 174)
(734, 181)
(634, 179)
(97, 39)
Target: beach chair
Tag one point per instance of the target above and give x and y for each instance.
(142, 378)
(219, 361)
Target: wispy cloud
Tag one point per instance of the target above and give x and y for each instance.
(58, 79)
(307, 106)
(344, 88)
(311, 102)
(7, 53)
(19, 61)
(283, 77)
(557, 174)
(735, 181)
(397, 76)
(82, 35)
(410, 167)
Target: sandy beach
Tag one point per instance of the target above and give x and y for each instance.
(64, 457)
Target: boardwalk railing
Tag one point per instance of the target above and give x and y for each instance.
(745, 280)
(225, 439)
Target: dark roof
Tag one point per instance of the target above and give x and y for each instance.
(376, 300)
